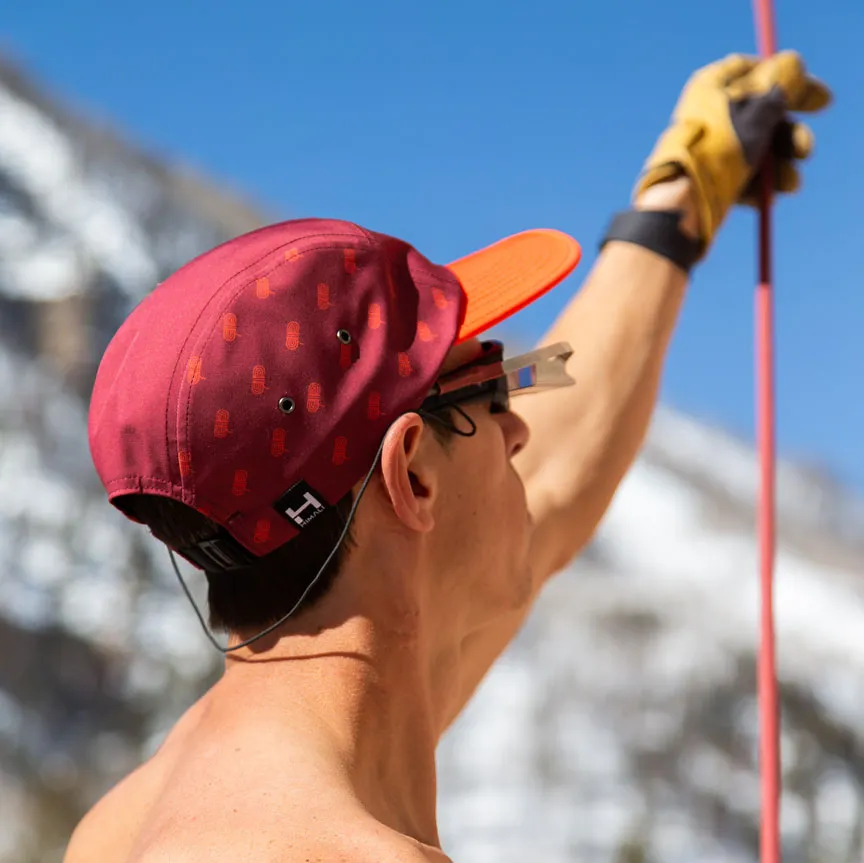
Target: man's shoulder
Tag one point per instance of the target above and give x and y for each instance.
(111, 831)
(88, 844)
(369, 841)
(402, 850)
(107, 832)
(415, 855)
(161, 812)
(433, 855)
(405, 851)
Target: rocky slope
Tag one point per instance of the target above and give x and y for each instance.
(619, 726)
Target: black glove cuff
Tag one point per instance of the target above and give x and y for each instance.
(659, 231)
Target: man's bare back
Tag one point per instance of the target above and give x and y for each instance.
(213, 792)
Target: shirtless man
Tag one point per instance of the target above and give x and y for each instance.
(313, 378)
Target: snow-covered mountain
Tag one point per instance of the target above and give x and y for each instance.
(620, 726)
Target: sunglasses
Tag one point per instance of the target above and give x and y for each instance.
(490, 378)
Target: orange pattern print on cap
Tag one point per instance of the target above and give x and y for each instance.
(262, 530)
(292, 254)
(340, 450)
(424, 333)
(324, 297)
(373, 408)
(193, 371)
(440, 299)
(184, 460)
(240, 485)
(313, 398)
(405, 368)
(350, 258)
(220, 426)
(259, 380)
(292, 336)
(375, 318)
(229, 326)
(262, 288)
(277, 443)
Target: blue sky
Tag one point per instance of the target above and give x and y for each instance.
(453, 124)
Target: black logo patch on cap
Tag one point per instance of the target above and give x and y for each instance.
(301, 504)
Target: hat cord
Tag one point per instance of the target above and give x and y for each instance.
(303, 596)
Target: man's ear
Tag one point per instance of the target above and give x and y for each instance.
(410, 482)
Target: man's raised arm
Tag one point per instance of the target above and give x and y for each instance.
(585, 437)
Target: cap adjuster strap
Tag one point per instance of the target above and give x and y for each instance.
(219, 553)
(264, 632)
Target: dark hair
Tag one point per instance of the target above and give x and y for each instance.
(249, 601)
(268, 589)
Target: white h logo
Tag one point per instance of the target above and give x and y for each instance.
(296, 514)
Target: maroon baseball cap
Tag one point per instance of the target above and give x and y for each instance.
(256, 383)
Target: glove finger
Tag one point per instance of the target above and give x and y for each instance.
(787, 177)
(723, 72)
(792, 141)
(802, 141)
(784, 70)
(815, 97)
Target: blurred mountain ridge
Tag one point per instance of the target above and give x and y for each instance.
(620, 725)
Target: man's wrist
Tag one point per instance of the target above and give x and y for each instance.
(676, 194)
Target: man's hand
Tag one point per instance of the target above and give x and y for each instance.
(728, 118)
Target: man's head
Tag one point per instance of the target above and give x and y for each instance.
(240, 407)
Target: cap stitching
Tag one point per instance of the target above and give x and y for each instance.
(136, 476)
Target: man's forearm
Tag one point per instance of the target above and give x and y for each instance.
(584, 438)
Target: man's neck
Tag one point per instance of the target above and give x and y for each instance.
(364, 695)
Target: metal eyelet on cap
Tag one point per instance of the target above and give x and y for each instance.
(286, 405)
(344, 336)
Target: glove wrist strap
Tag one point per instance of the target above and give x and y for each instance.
(656, 230)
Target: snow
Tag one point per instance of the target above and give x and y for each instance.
(700, 584)
(42, 162)
(728, 462)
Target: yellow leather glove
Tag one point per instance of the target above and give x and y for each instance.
(728, 117)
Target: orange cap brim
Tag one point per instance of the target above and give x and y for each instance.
(508, 275)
